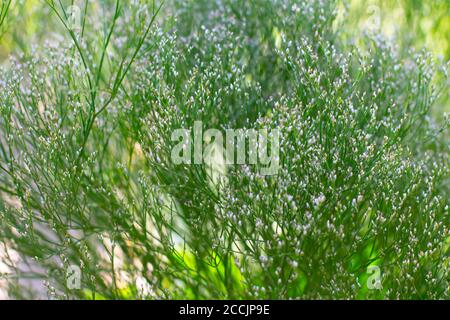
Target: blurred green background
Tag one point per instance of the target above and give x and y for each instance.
(414, 23)
(411, 23)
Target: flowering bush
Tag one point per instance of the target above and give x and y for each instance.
(358, 208)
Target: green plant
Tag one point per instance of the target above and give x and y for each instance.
(4, 11)
(87, 177)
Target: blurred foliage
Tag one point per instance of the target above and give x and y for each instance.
(411, 23)
(414, 23)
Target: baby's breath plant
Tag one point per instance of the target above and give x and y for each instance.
(87, 178)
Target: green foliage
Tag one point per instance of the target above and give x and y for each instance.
(4, 11)
(86, 176)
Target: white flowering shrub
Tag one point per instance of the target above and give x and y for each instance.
(88, 184)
